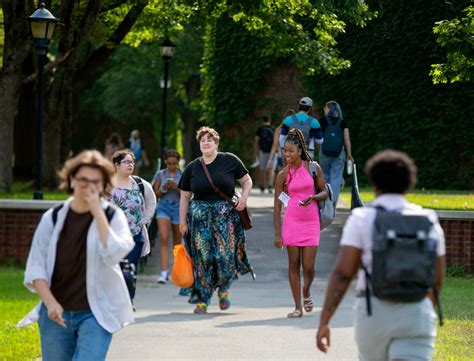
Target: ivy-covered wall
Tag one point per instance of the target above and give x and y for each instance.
(389, 100)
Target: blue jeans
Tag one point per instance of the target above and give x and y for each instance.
(333, 169)
(82, 339)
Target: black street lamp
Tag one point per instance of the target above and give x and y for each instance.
(42, 24)
(167, 49)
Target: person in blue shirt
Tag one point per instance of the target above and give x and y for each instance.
(307, 124)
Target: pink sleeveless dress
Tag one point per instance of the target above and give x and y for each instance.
(300, 224)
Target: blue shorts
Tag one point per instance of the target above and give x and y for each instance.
(169, 210)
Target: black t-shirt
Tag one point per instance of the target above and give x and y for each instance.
(69, 276)
(224, 170)
(324, 123)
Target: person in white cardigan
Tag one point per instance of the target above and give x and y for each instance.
(73, 265)
(135, 196)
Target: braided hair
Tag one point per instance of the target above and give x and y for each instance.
(296, 137)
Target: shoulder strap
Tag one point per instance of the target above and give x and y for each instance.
(295, 118)
(310, 118)
(109, 212)
(313, 169)
(217, 190)
(139, 182)
(55, 213)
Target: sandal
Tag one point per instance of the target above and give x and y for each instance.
(201, 308)
(224, 300)
(295, 314)
(308, 304)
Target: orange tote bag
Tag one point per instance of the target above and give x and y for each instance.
(182, 274)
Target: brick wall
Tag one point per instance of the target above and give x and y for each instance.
(459, 242)
(18, 223)
(16, 232)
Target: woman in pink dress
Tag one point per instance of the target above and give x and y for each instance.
(300, 231)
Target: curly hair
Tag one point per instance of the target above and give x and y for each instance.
(296, 137)
(211, 132)
(87, 158)
(391, 171)
(119, 155)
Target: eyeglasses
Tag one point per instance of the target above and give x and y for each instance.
(82, 181)
(127, 162)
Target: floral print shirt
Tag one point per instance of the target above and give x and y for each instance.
(131, 202)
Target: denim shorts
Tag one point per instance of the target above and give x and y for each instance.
(169, 210)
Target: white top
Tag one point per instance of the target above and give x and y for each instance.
(359, 228)
(148, 213)
(107, 293)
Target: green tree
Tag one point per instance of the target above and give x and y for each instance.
(456, 36)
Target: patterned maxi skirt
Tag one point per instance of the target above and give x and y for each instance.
(216, 243)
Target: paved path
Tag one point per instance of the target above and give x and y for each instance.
(255, 327)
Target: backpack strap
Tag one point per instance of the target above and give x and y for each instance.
(109, 213)
(55, 213)
(139, 182)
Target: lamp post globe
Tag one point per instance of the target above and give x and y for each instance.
(167, 49)
(42, 24)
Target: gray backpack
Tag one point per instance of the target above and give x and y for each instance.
(327, 208)
(403, 258)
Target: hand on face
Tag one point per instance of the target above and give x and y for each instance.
(88, 185)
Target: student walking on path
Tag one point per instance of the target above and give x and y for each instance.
(300, 232)
(73, 265)
(303, 121)
(400, 323)
(262, 147)
(211, 226)
(167, 211)
(336, 147)
(136, 198)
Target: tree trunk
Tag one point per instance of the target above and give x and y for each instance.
(191, 150)
(17, 45)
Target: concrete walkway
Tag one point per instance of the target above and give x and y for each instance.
(255, 327)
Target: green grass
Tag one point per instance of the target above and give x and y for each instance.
(435, 199)
(24, 190)
(455, 339)
(15, 302)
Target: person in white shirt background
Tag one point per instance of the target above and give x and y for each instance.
(395, 330)
(73, 265)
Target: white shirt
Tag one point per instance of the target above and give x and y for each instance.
(107, 293)
(148, 213)
(358, 229)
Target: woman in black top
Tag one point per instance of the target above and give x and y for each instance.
(211, 226)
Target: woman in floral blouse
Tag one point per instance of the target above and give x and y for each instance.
(136, 198)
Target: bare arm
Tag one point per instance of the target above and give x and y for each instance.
(347, 263)
(277, 205)
(347, 143)
(275, 146)
(145, 158)
(256, 146)
(439, 277)
(55, 310)
(246, 183)
(183, 211)
(322, 194)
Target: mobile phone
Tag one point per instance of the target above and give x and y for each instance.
(168, 180)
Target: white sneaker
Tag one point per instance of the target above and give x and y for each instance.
(163, 279)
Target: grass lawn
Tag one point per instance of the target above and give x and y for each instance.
(449, 200)
(455, 339)
(15, 302)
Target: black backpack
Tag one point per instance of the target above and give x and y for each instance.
(403, 258)
(139, 182)
(266, 138)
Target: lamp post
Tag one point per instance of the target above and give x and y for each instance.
(42, 24)
(167, 49)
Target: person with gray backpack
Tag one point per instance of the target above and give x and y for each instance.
(398, 250)
(336, 147)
